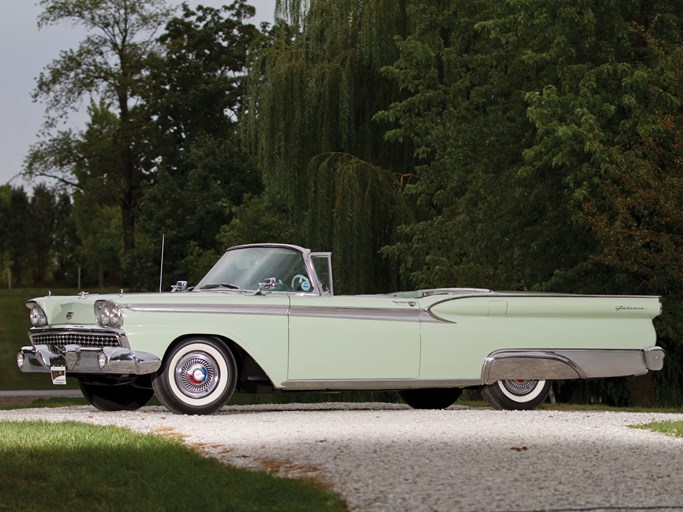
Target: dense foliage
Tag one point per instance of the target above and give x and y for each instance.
(525, 145)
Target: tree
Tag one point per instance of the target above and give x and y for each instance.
(109, 63)
(547, 139)
(66, 242)
(18, 224)
(43, 206)
(313, 90)
(5, 235)
(99, 226)
(610, 126)
(33, 235)
(515, 111)
(192, 98)
(481, 220)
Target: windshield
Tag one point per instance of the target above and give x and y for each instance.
(246, 268)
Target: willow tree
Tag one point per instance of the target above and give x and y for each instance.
(313, 92)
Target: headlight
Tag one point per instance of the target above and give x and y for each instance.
(37, 315)
(108, 314)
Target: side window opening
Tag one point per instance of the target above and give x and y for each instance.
(322, 264)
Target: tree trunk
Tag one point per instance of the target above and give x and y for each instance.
(128, 199)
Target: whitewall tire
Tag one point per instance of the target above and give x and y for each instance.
(516, 394)
(198, 376)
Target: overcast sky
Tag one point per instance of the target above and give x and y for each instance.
(24, 52)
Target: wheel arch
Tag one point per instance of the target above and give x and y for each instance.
(250, 374)
(532, 365)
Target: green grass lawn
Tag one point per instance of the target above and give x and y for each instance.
(670, 428)
(75, 466)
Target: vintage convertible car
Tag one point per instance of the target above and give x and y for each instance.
(265, 318)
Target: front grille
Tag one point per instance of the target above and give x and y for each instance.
(57, 340)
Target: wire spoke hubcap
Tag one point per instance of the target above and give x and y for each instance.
(197, 374)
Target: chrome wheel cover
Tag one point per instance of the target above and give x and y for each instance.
(197, 374)
(520, 387)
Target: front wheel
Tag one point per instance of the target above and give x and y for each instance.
(516, 394)
(198, 376)
(115, 396)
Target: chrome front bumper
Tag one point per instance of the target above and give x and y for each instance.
(87, 360)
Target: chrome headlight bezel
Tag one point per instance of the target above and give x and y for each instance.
(37, 315)
(108, 314)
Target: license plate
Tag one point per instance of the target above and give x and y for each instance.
(58, 374)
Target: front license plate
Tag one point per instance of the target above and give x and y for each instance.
(58, 374)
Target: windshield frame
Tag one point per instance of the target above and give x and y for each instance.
(213, 277)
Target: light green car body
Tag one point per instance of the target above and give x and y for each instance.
(314, 340)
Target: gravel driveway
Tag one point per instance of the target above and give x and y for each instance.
(387, 457)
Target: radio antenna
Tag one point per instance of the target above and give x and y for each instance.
(161, 267)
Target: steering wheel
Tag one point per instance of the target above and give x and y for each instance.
(301, 282)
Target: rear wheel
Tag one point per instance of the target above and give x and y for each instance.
(516, 394)
(198, 376)
(438, 398)
(115, 396)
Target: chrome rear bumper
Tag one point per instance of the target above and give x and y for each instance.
(654, 358)
(76, 359)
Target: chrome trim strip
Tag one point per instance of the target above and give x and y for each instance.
(427, 316)
(351, 313)
(237, 309)
(474, 292)
(376, 384)
(383, 314)
(77, 327)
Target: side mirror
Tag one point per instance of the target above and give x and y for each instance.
(265, 286)
(180, 286)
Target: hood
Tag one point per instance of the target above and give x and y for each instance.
(80, 309)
